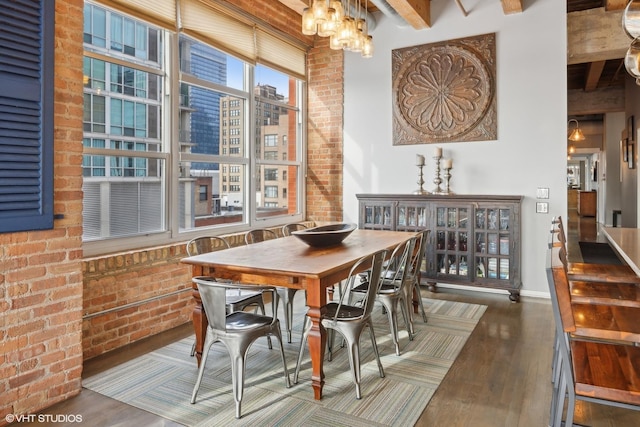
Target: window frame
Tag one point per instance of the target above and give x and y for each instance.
(172, 156)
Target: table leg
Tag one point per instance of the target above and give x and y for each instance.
(199, 318)
(317, 338)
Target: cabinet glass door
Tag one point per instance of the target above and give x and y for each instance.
(411, 217)
(377, 217)
(451, 241)
(493, 243)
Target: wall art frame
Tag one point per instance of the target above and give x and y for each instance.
(445, 91)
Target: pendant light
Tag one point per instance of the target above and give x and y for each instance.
(576, 134)
(343, 21)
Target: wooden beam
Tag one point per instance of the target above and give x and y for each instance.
(594, 71)
(416, 12)
(607, 100)
(615, 4)
(297, 5)
(511, 6)
(595, 35)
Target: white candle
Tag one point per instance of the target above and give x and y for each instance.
(419, 160)
(438, 152)
(447, 163)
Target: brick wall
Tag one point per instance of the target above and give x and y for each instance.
(133, 295)
(40, 271)
(325, 118)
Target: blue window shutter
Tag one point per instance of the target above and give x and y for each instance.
(26, 115)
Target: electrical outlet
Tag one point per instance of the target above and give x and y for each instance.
(542, 207)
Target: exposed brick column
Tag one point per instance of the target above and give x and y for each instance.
(40, 271)
(325, 142)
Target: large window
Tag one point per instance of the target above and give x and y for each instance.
(210, 120)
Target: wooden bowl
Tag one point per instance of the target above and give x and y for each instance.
(325, 235)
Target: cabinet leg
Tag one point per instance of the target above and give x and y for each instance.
(514, 296)
(432, 286)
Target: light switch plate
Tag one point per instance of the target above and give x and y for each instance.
(542, 193)
(542, 207)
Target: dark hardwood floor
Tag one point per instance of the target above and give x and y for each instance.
(501, 378)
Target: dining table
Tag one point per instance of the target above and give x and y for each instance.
(291, 263)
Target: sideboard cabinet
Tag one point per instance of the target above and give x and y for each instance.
(474, 239)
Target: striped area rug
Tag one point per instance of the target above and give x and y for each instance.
(161, 382)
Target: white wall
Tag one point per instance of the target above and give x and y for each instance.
(613, 125)
(530, 151)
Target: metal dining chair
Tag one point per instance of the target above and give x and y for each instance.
(294, 226)
(287, 294)
(235, 300)
(393, 288)
(413, 275)
(237, 331)
(350, 320)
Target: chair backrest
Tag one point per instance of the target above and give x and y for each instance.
(288, 228)
(214, 302)
(399, 265)
(213, 296)
(259, 235)
(202, 245)
(559, 290)
(373, 264)
(562, 237)
(420, 253)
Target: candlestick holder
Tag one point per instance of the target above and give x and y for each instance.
(437, 180)
(447, 178)
(420, 182)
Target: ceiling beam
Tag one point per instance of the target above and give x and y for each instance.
(595, 35)
(607, 100)
(511, 6)
(417, 13)
(297, 5)
(594, 71)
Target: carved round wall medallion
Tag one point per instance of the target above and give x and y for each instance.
(444, 92)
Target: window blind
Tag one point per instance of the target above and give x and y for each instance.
(157, 12)
(211, 25)
(224, 27)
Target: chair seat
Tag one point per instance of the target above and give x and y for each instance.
(607, 371)
(242, 321)
(346, 312)
(386, 287)
(607, 293)
(601, 272)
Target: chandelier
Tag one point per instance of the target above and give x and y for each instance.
(345, 26)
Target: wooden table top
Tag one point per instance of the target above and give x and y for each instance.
(626, 241)
(291, 258)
